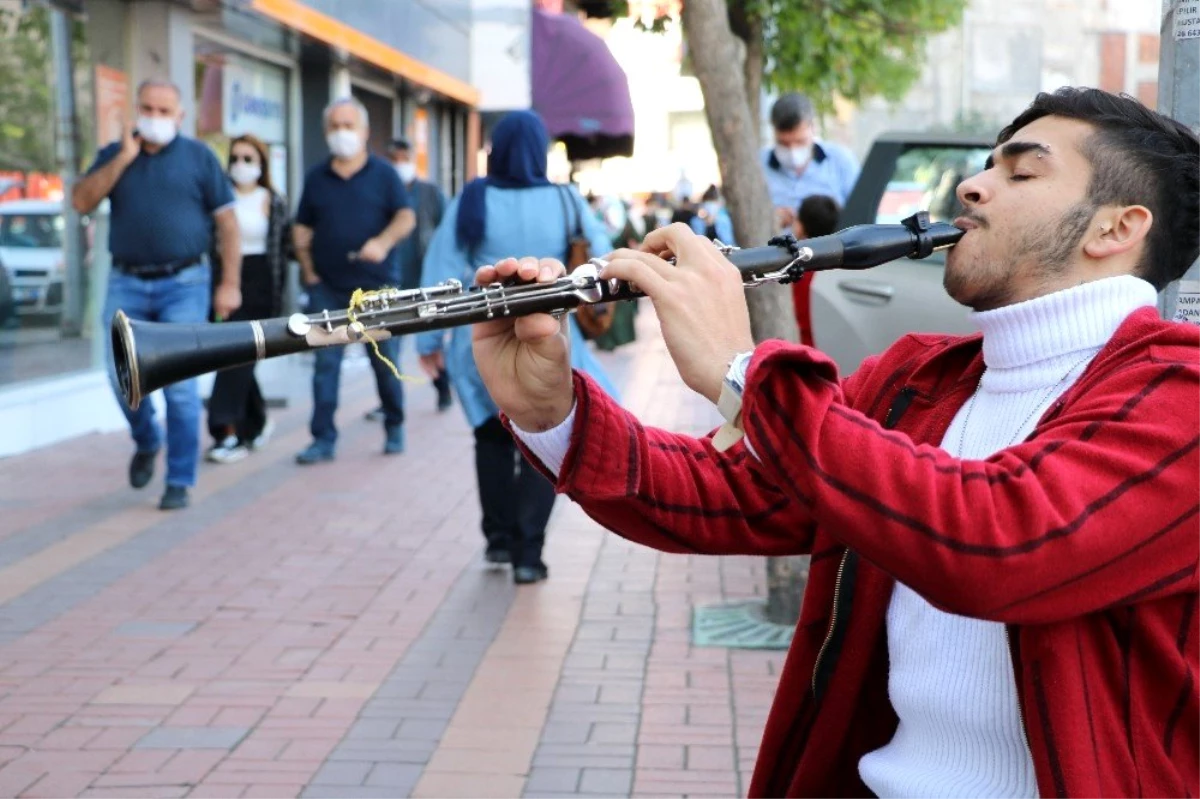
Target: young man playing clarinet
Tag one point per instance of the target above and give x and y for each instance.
(1006, 522)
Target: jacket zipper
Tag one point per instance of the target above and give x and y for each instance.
(837, 590)
(1020, 707)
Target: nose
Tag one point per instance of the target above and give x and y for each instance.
(972, 191)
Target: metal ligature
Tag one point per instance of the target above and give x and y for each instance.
(150, 355)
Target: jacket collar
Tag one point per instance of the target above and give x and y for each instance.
(954, 362)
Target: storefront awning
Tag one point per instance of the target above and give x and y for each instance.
(579, 89)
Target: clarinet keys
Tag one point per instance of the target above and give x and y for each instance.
(298, 325)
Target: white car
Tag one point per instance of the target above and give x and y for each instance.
(31, 250)
(850, 315)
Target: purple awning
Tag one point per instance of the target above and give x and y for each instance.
(579, 89)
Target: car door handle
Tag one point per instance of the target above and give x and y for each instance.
(867, 289)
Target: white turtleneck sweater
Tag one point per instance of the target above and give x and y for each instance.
(951, 678)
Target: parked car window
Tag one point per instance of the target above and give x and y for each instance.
(925, 180)
(31, 230)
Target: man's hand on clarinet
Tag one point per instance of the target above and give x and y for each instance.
(700, 301)
(525, 362)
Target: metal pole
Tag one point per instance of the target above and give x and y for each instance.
(66, 141)
(1179, 98)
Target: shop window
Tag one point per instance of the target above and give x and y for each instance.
(379, 113)
(48, 307)
(236, 95)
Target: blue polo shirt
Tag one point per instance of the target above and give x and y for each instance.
(833, 171)
(343, 213)
(163, 203)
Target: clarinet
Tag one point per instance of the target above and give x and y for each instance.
(150, 355)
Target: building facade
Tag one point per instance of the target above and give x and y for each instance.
(672, 141)
(982, 73)
(267, 67)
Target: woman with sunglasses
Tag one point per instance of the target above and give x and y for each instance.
(237, 414)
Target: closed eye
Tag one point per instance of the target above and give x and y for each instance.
(1020, 178)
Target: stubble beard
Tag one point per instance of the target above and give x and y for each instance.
(1040, 258)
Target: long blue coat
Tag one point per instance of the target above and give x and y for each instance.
(520, 222)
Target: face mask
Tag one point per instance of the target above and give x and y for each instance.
(244, 174)
(793, 157)
(407, 171)
(344, 143)
(712, 208)
(157, 130)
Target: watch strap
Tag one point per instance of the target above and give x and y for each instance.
(729, 403)
(729, 434)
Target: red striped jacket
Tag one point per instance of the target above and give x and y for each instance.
(1083, 540)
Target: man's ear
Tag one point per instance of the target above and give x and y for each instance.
(1116, 231)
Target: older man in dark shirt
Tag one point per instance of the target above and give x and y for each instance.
(166, 192)
(353, 212)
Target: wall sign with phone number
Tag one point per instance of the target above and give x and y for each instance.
(1187, 20)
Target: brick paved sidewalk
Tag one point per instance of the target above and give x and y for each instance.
(332, 631)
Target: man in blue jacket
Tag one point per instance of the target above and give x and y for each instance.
(799, 164)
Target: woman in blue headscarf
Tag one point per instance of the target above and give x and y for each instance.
(514, 211)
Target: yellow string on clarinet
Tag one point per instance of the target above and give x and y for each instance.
(356, 300)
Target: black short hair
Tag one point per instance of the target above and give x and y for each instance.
(819, 214)
(1138, 157)
(401, 144)
(790, 110)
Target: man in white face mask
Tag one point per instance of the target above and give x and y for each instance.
(429, 204)
(166, 193)
(799, 164)
(353, 212)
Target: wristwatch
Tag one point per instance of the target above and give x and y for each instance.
(729, 403)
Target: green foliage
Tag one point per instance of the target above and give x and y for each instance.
(26, 92)
(618, 9)
(27, 88)
(852, 48)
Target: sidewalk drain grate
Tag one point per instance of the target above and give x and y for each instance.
(738, 625)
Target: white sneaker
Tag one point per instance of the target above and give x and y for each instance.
(262, 438)
(228, 451)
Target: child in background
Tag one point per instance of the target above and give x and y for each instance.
(817, 216)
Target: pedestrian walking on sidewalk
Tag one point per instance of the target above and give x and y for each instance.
(166, 192)
(514, 209)
(353, 212)
(429, 204)
(800, 163)
(237, 412)
(1003, 593)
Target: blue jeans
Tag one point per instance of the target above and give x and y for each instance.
(327, 372)
(183, 297)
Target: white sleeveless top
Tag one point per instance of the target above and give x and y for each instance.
(252, 220)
